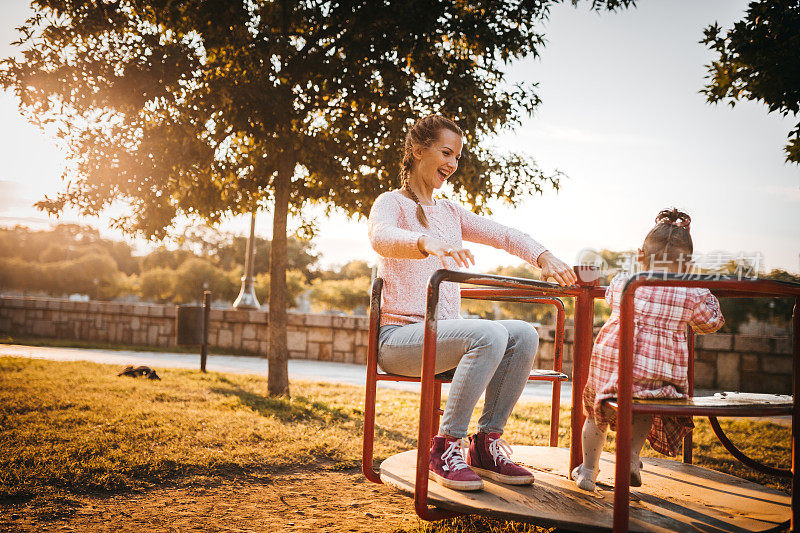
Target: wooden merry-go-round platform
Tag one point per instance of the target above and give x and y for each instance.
(674, 496)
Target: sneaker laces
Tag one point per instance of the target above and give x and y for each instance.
(452, 456)
(501, 451)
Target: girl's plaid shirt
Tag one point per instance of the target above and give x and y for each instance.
(661, 353)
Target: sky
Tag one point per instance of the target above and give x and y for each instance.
(621, 116)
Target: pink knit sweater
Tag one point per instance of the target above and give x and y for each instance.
(393, 233)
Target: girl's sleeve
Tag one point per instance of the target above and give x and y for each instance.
(707, 315)
(475, 228)
(614, 288)
(386, 237)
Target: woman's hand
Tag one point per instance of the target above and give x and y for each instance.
(431, 246)
(553, 267)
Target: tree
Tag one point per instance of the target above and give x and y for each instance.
(195, 275)
(759, 59)
(341, 294)
(296, 284)
(157, 284)
(737, 311)
(350, 270)
(162, 257)
(203, 108)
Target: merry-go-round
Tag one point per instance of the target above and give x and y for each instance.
(674, 496)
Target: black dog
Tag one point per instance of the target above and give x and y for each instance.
(136, 371)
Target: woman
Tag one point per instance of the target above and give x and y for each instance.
(415, 235)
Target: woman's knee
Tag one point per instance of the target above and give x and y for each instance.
(522, 332)
(490, 336)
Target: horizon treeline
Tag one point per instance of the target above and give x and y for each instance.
(74, 259)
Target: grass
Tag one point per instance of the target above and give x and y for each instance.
(77, 427)
(68, 428)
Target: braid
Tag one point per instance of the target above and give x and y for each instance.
(423, 132)
(423, 219)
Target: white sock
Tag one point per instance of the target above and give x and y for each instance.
(592, 439)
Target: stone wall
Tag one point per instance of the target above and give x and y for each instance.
(310, 336)
(744, 363)
(730, 362)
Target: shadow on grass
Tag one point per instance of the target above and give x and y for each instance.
(286, 409)
(56, 492)
(297, 408)
(474, 524)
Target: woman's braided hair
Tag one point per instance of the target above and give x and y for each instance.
(670, 239)
(422, 133)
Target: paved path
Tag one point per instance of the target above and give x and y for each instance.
(241, 364)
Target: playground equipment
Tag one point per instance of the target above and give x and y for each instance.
(675, 496)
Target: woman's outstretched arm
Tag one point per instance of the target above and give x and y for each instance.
(482, 230)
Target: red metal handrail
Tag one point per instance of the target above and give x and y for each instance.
(429, 359)
(728, 287)
(510, 295)
(687, 441)
(585, 293)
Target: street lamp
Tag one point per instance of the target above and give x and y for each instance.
(247, 294)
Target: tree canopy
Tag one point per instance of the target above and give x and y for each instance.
(206, 107)
(759, 59)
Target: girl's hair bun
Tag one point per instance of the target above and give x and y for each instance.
(674, 217)
(670, 239)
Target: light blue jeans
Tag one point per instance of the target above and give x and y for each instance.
(488, 355)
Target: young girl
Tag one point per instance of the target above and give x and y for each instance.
(660, 350)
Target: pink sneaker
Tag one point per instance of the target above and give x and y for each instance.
(447, 466)
(488, 455)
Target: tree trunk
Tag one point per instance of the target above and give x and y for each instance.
(278, 353)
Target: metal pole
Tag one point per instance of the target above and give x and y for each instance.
(372, 374)
(558, 354)
(624, 410)
(426, 405)
(247, 294)
(687, 441)
(581, 354)
(795, 415)
(206, 320)
(427, 416)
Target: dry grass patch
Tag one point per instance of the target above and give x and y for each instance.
(72, 428)
(78, 427)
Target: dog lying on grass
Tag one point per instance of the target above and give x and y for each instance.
(136, 371)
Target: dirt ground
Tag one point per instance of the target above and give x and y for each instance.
(292, 501)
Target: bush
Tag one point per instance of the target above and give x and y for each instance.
(295, 285)
(157, 285)
(343, 295)
(196, 275)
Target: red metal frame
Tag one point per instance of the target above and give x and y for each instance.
(721, 287)
(581, 355)
(516, 295)
(532, 288)
(533, 292)
(517, 289)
